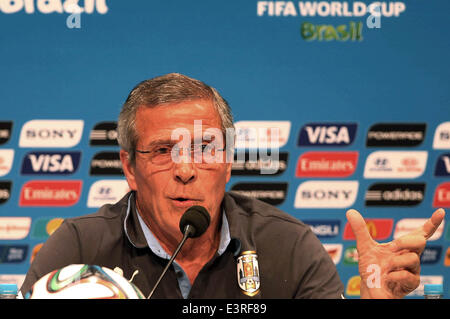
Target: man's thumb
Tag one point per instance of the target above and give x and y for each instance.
(358, 225)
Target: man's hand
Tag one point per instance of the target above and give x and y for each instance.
(391, 270)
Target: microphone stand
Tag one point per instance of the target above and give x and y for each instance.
(189, 230)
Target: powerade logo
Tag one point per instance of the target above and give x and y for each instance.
(106, 163)
(271, 193)
(396, 135)
(327, 134)
(442, 168)
(50, 163)
(324, 228)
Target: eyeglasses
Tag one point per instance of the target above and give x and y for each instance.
(163, 154)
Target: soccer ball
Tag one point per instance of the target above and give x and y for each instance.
(81, 281)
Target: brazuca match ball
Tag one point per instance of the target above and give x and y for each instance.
(80, 281)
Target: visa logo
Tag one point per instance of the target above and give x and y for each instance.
(46, 163)
(443, 165)
(319, 134)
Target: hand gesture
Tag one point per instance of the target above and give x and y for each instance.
(390, 270)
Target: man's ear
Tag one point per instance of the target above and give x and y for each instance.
(128, 169)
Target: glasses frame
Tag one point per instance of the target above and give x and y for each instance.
(192, 153)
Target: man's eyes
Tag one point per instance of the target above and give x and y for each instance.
(167, 149)
(162, 150)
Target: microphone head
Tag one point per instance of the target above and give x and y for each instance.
(196, 216)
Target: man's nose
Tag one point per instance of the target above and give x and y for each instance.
(185, 172)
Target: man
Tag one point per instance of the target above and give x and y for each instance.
(250, 250)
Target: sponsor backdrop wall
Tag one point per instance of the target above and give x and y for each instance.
(359, 94)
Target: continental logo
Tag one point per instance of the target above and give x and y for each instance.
(271, 193)
(379, 229)
(396, 135)
(54, 6)
(327, 134)
(395, 194)
(50, 193)
(326, 164)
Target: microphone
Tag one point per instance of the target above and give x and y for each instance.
(193, 223)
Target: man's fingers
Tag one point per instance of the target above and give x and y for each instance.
(432, 223)
(409, 242)
(358, 225)
(407, 261)
(402, 282)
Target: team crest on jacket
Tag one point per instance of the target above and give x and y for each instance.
(248, 273)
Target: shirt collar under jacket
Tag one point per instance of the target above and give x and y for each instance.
(140, 235)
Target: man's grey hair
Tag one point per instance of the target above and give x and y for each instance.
(167, 89)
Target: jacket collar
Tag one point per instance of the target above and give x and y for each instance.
(234, 213)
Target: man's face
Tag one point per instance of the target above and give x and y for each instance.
(165, 191)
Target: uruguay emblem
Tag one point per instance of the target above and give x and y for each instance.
(248, 273)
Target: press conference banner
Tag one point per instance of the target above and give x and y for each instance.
(356, 91)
